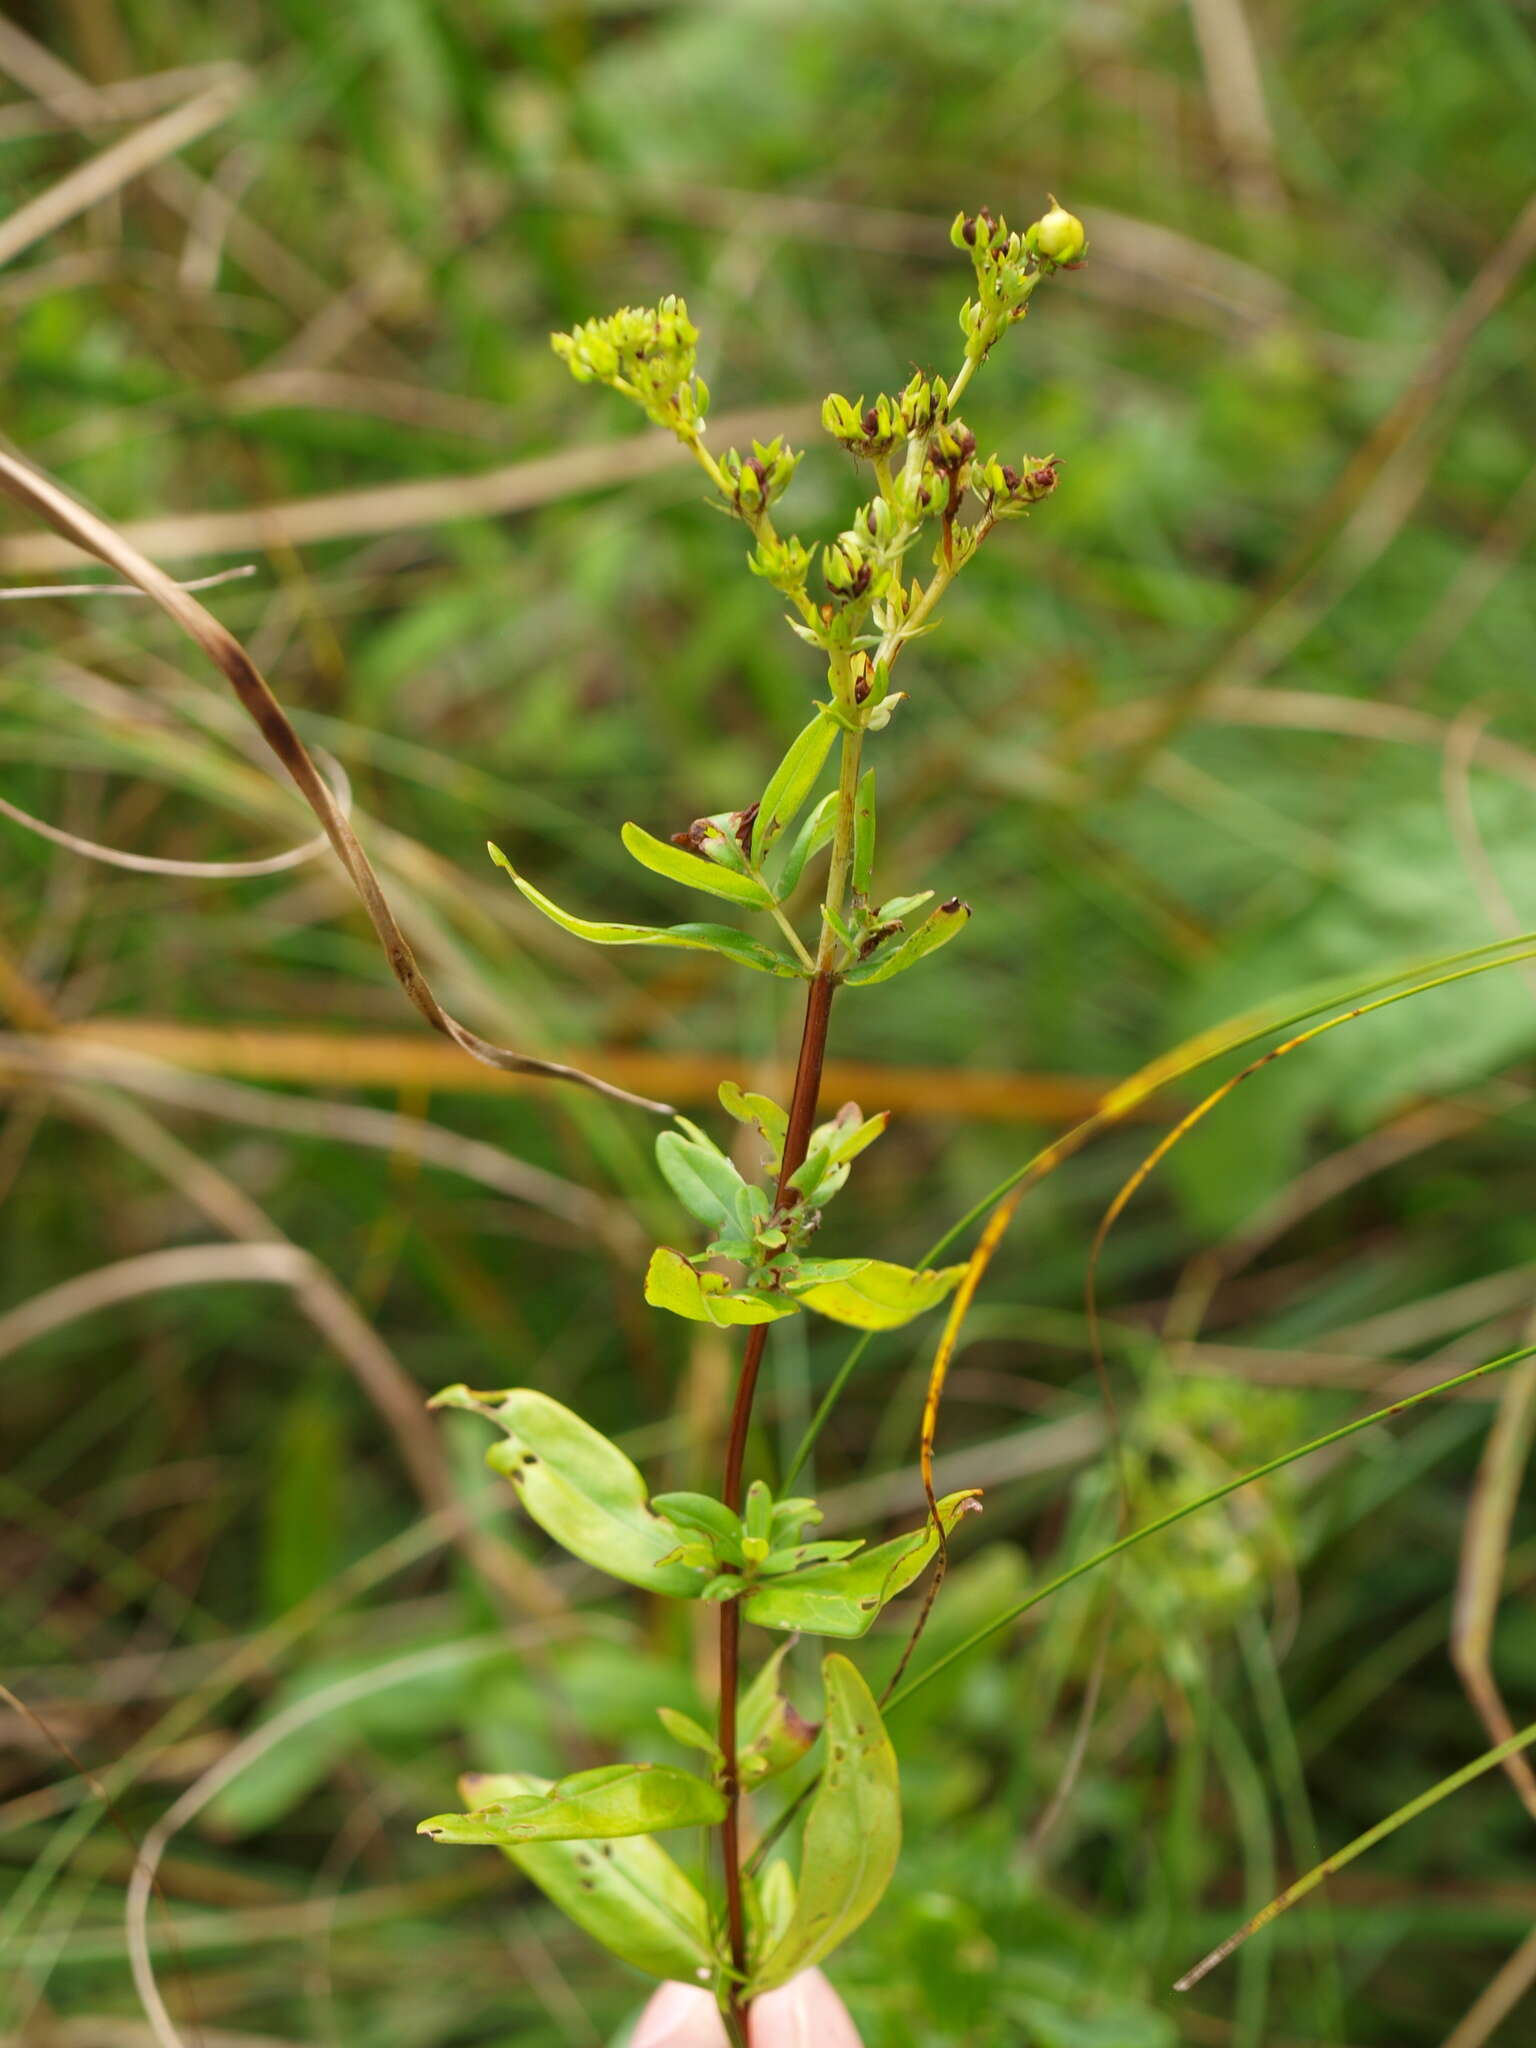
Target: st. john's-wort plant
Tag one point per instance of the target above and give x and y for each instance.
(589, 1840)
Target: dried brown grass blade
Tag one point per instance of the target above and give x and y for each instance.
(96, 537)
(394, 1060)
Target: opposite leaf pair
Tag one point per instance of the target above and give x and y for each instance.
(629, 1894)
(767, 1238)
(585, 1494)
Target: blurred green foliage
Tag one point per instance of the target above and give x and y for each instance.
(1195, 736)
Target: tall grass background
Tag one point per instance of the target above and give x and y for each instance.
(1246, 707)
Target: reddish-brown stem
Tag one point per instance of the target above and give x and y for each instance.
(802, 1118)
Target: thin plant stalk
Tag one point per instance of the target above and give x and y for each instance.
(802, 1118)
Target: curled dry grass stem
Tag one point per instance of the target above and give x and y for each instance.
(272, 1261)
(38, 495)
(190, 870)
(301, 1714)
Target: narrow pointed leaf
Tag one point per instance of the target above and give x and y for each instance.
(812, 836)
(900, 908)
(671, 1283)
(579, 1488)
(864, 835)
(843, 1599)
(852, 1833)
(600, 1805)
(703, 938)
(628, 1895)
(858, 1136)
(937, 929)
(883, 1296)
(791, 783)
(684, 1729)
(693, 870)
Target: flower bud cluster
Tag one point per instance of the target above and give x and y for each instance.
(1008, 492)
(754, 481)
(646, 352)
(924, 402)
(784, 563)
(871, 431)
(1009, 265)
(950, 448)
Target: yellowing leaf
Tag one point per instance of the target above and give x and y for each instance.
(671, 1283)
(883, 1296)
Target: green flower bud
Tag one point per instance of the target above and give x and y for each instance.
(880, 522)
(868, 430)
(783, 563)
(952, 446)
(756, 480)
(924, 401)
(1058, 236)
(839, 417)
(1009, 491)
(846, 567)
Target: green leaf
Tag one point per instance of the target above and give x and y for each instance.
(772, 1735)
(671, 1283)
(703, 938)
(899, 908)
(700, 1175)
(693, 870)
(579, 1488)
(699, 1511)
(812, 836)
(775, 1901)
(778, 1562)
(690, 1733)
(762, 1113)
(937, 929)
(791, 783)
(629, 1895)
(864, 835)
(852, 1833)
(843, 1599)
(883, 1296)
(600, 1805)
